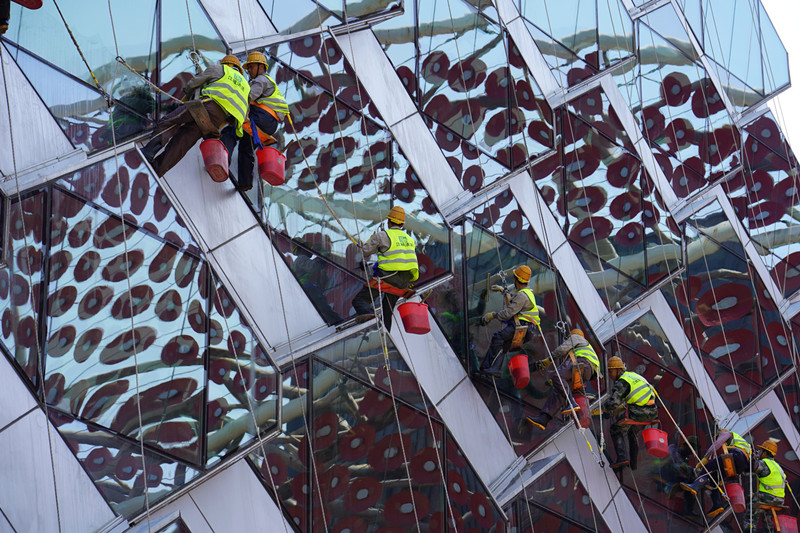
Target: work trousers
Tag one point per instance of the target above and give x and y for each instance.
(364, 301)
(501, 342)
(620, 433)
(557, 399)
(177, 133)
(246, 159)
(761, 497)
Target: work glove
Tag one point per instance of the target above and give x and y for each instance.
(498, 288)
(485, 319)
(540, 365)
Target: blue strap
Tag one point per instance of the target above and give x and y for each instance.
(256, 139)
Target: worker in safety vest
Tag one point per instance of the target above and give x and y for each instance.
(580, 365)
(771, 484)
(397, 266)
(223, 93)
(739, 450)
(632, 398)
(267, 109)
(523, 306)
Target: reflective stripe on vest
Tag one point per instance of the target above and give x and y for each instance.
(641, 391)
(531, 315)
(230, 92)
(275, 101)
(737, 441)
(587, 352)
(775, 482)
(401, 255)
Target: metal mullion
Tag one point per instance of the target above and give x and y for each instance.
(206, 366)
(47, 214)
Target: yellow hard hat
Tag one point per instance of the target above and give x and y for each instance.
(770, 446)
(577, 332)
(256, 58)
(615, 362)
(397, 215)
(523, 273)
(232, 61)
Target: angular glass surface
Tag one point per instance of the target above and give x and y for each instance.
(595, 109)
(775, 60)
(298, 16)
(126, 186)
(329, 287)
(398, 36)
(122, 349)
(615, 288)
(673, 519)
(184, 28)
(503, 216)
(43, 33)
(446, 302)
(362, 355)
(666, 22)
(20, 282)
(571, 24)
(472, 166)
(117, 468)
(467, 496)
(561, 492)
(568, 68)
(614, 32)
(242, 382)
(80, 109)
(681, 112)
(662, 236)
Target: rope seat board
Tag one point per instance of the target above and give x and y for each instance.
(390, 289)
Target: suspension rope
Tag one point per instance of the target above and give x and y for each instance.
(193, 55)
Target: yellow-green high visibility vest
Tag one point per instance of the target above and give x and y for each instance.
(230, 92)
(401, 255)
(276, 100)
(641, 391)
(775, 482)
(737, 441)
(531, 315)
(588, 353)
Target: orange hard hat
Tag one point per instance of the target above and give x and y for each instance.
(256, 58)
(577, 332)
(615, 362)
(523, 273)
(770, 446)
(397, 215)
(232, 61)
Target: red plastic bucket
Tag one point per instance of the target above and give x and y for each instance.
(415, 317)
(583, 413)
(520, 371)
(271, 165)
(215, 158)
(788, 524)
(656, 442)
(736, 496)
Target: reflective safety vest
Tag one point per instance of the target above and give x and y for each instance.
(737, 441)
(531, 315)
(275, 101)
(775, 482)
(230, 92)
(401, 255)
(641, 391)
(588, 353)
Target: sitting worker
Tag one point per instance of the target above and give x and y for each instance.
(267, 109)
(632, 399)
(738, 448)
(223, 94)
(771, 484)
(679, 470)
(396, 267)
(580, 364)
(521, 305)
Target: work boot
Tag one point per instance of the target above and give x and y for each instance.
(573, 406)
(360, 319)
(150, 150)
(540, 421)
(622, 451)
(633, 449)
(696, 486)
(716, 504)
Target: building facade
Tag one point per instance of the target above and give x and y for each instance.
(622, 149)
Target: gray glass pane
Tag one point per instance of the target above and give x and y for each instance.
(242, 382)
(732, 39)
(118, 469)
(43, 32)
(121, 342)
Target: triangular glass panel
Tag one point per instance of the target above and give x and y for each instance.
(21, 283)
(302, 15)
(122, 350)
(242, 390)
(615, 32)
(572, 24)
(666, 23)
(773, 53)
(81, 110)
(568, 68)
(118, 469)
